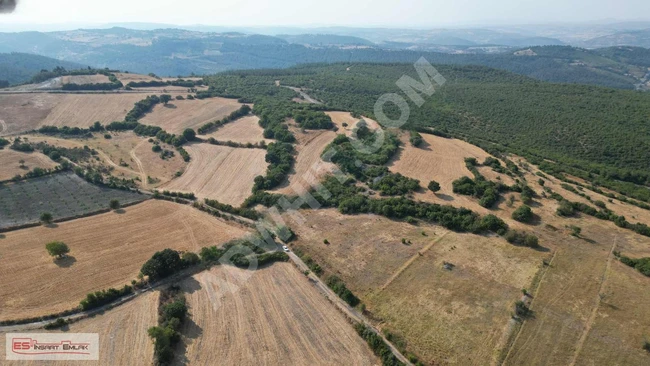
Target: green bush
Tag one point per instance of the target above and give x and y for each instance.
(337, 285)
(523, 214)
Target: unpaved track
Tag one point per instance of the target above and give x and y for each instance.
(344, 307)
(3, 126)
(143, 174)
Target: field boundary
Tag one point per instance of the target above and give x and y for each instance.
(76, 217)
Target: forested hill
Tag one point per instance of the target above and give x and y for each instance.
(20, 67)
(179, 52)
(582, 126)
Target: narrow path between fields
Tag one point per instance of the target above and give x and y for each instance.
(594, 312)
(3, 125)
(303, 94)
(530, 306)
(351, 312)
(409, 262)
(143, 174)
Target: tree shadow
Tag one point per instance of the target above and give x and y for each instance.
(191, 285)
(51, 226)
(120, 211)
(445, 197)
(424, 145)
(170, 106)
(65, 262)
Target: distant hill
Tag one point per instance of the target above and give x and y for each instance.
(640, 38)
(17, 68)
(325, 40)
(173, 52)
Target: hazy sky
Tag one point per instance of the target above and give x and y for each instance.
(360, 13)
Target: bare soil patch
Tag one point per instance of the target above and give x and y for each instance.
(339, 118)
(220, 172)
(243, 130)
(181, 114)
(9, 161)
(107, 250)
(275, 317)
(85, 79)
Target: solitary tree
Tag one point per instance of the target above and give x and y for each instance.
(46, 218)
(523, 214)
(57, 249)
(434, 186)
(165, 98)
(22, 163)
(189, 134)
(114, 204)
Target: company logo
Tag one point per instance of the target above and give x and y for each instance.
(52, 346)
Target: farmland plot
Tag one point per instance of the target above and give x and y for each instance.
(275, 317)
(106, 250)
(10, 163)
(63, 195)
(181, 114)
(243, 130)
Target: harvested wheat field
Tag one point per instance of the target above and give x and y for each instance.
(438, 159)
(181, 114)
(271, 316)
(446, 317)
(10, 163)
(243, 130)
(123, 338)
(581, 287)
(106, 250)
(26, 112)
(309, 167)
(85, 79)
(126, 78)
(220, 172)
(339, 118)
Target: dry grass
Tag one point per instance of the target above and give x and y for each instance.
(9, 161)
(25, 112)
(309, 167)
(220, 172)
(243, 130)
(339, 118)
(122, 332)
(275, 317)
(182, 114)
(127, 78)
(447, 317)
(85, 79)
(107, 250)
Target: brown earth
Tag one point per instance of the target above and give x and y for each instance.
(220, 172)
(85, 79)
(243, 130)
(123, 337)
(339, 118)
(9, 161)
(271, 316)
(181, 114)
(106, 250)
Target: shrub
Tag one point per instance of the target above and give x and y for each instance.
(114, 205)
(108, 136)
(156, 148)
(58, 323)
(189, 134)
(57, 249)
(190, 259)
(337, 285)
(522, 310)
(434, 186)
(565, 209)
(523, 214)
(162, 264)
(100, 298)
(46, 218)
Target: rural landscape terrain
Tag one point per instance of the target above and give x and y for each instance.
(252, 210)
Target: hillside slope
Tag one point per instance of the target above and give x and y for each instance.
(20, 67)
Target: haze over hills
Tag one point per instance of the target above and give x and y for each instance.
(173, 51)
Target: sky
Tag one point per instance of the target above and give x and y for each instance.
(359, 13)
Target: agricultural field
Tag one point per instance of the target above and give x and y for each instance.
(122, 334)
(11, 166)
(85, 79)
(339, 118)
(181, 114)
(64, 195)
(309, 167)
(243, 130)
(448, 317)
(106, 251)
(26, 112)
(220, 172)
(272, 316)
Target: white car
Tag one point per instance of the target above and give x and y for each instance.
(285, 248)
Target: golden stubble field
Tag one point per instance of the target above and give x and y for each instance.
(243, 130)
(106, 250)
(448, 317)
(10, 163)
(26, 112)
(181, 114)
(271, 316)
(123, 338)
(220, 172)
